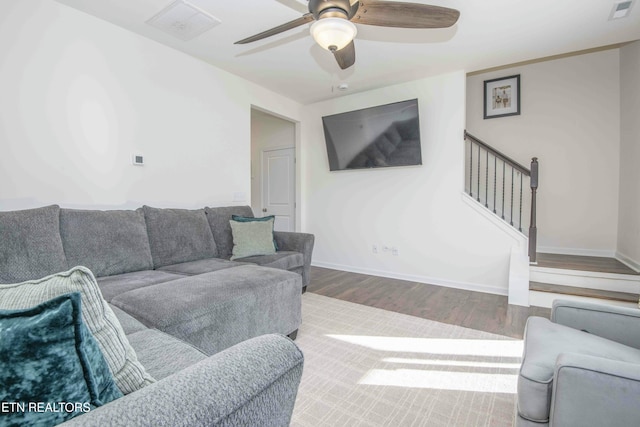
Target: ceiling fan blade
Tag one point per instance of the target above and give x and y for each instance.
(404, 15)
(307, 17)
(346, 56)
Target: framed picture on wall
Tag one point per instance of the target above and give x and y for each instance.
(502, 97)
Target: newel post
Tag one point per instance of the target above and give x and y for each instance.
(533, 230)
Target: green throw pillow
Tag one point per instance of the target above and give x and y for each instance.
(52, 367)
(251, 218)
(252, 238)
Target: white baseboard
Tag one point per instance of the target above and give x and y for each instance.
(476, 287)
(576, 251)
(632, 264)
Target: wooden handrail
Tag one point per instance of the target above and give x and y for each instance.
(498, 154)
(533, 180)
(533, 229)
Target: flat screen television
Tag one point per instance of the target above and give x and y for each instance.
(377, 137)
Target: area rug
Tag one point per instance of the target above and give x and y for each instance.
(370, 367)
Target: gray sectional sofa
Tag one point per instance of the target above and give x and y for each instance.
(209, 329)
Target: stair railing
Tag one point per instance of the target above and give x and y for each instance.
(505, 193)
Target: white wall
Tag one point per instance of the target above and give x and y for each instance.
(420, 210)
(80, 96)
(629, 217)
(570, 120)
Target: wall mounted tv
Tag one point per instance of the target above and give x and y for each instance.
(376, 137)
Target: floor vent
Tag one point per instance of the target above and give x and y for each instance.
(183, 20)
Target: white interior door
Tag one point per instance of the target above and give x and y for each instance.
(278, 187)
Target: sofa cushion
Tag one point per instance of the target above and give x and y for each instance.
(199, 267)
(252, 238)
(178, 235)
(163, 355)
(107, 242)
(121, 283)
(49, 356)
(283, 260)
(214, 311)
(219, 222)
(129, 324)
(30, 246)
(96, 314)
(544, 342)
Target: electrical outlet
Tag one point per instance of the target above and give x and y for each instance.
(374, 248)
(385, 248)
(395, 251)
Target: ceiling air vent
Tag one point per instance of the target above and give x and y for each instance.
(621, 9)
(183, 20)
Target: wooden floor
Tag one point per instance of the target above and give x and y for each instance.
(584, 263)
(475, 310)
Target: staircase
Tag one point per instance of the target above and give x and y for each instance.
(595, 279)
(499, 183)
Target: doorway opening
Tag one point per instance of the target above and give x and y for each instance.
(273, 169)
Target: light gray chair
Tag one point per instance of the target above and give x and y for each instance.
(581, 368)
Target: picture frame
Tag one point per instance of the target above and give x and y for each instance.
(502, 97)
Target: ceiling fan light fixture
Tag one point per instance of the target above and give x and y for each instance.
(333, 34)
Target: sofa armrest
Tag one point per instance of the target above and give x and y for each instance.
(593, 391)
(252, 383)
(620, 324)
(298, 242)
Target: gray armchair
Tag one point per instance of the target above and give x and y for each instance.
(581, 368)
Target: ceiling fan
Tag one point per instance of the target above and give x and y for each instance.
(334, 27)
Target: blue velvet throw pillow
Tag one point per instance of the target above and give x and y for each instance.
(251, 219)
(52, 367)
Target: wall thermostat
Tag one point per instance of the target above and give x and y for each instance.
(137, 159)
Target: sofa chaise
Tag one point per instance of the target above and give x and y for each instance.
(201, 324)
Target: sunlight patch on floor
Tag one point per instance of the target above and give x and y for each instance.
(428, 372)
(457, 363)
(442, 380)
(460, 347)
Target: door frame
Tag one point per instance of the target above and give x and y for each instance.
(297, 149)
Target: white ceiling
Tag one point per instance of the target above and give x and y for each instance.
(489, 33)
